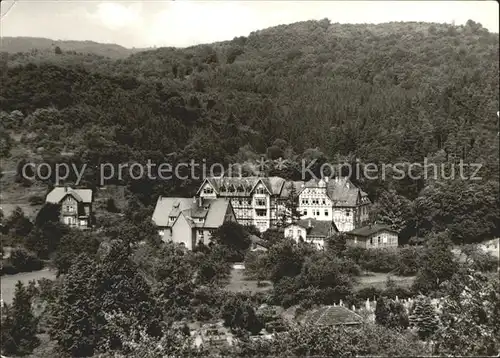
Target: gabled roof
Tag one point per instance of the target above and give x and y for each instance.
(212, 211)
(58, 193)
(244, 186)
(169, 206)
(316, 228)
(340, 190)
(241, 186)
(369, 230)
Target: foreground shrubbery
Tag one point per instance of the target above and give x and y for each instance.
(21, 260)
(335, 341)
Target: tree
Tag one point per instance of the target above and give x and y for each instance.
(291, 212)
(469, 316)
(424, 318)
(381, 312)
(93, 289)
(396, 211)
(335, 341)
(239, 314)
(73, 324)
(437, 264)
(235, 238)
(391, 314)
(17, 224)
(57, 50)
(20, 326)
(111, 206)
(71, 246)
(48, 231)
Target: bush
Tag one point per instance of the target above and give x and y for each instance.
(21, 260)
(111, 206)
(8, 268)
(36, 200)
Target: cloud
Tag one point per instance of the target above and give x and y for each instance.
(117, 16)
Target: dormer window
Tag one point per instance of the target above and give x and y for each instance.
(208, 190)
(232, 189)
(222, 188)
(240, 189)
(172, 218)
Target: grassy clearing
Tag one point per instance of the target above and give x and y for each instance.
(9, 281)
(378, 280)
(239, 283)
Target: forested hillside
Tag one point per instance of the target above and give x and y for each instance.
(43, 45)
(388, 93)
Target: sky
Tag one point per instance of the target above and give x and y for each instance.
(183, 23)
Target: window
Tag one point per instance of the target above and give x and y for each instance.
(200, 233)
(261, 212)
(326, 212)
(172, 218)
(260, 202)
(347, 213)
(324, 202)
(208, 190)
(371, 240)
(305, 211)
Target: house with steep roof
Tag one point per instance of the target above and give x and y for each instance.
(373, 236)
(255, 200)
(312, 231)
(260, 201)
(76, 205)
(337, 200)
(191, 221)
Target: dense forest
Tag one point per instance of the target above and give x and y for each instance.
(388, 93)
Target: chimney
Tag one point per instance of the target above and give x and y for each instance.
(309, 224)
(194, 199)
(337, 179)
(65, 188)
(326, 179)
(200, 201)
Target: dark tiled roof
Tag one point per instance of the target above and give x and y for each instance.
(334, 315)
(370, 230)
(243, 186)
(340, 190)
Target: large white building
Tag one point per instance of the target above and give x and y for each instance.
(260, 201)
(337, 200)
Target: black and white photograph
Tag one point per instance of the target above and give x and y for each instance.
(230, 178)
